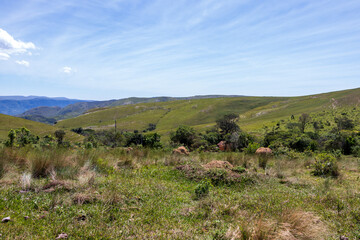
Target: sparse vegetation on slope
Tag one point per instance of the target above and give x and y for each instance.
(254, 112)
(40, 129)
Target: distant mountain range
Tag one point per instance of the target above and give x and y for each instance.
(51, 113)
(15, 105)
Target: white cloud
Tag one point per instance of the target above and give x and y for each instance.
(23, 62)
(9, 46)
(67, 70)
(4, 56)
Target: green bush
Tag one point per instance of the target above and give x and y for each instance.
(203, 188)
(263, 160)
(252, 147)
(184, 135)
(152, 140)
(89, 145)
(325, 166)
(239, 169)
(218, 176)
(356, 151)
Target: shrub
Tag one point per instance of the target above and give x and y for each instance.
(227, 124)
(21, 137)
(218, 176)
(263, 160)
(244, 140)
(183, 135)
(59, 135)
(239, 169)
(325, 165)
(47, 141)
(212, 137)
(300, 143)
(203, 188)
(344, 123)
(152, 140)
(252, 147)
(356, 151)
(349, 143)
(89, 145)
(11, 140)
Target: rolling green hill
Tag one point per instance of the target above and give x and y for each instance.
(254, 112)
(9, 122)
(50, 114)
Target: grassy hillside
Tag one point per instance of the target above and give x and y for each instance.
(255, 112)
(51, 115)
(40, 129)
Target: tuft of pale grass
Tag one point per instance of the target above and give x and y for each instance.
(86, 176)
(25, 181)
(84, 198)
(300, 225)
(292, 225)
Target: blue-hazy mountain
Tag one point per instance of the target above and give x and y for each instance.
(15, 105)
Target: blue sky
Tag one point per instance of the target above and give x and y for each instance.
(98, 49)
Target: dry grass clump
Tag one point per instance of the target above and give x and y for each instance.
(86, 176)
(84, 198)
(301, 225)
(292, 225)
(67, 185)
(46, 163)
(40, 165)
(218, 164)
(25, 181)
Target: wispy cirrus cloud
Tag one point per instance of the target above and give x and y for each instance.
(4, 56)
(23, 62)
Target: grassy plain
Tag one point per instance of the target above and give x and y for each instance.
(151, 194)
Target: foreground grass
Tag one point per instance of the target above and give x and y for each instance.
(111, 194)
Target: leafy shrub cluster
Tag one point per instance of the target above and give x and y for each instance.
(316, 133)
(325, 166)
(226, 130)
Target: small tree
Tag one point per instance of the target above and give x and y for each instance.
(12, 136)
(304, 119)
(152, 140)
(227, 124)
(184, 135)
(59, 135)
